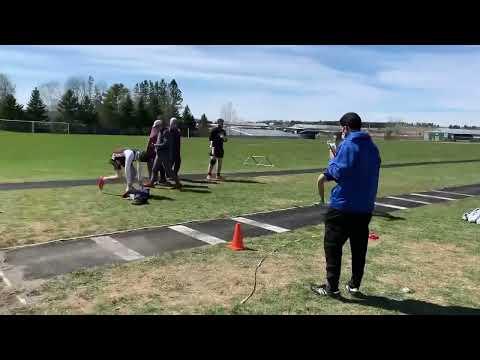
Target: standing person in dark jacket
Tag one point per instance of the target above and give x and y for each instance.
(355, 168)
(217, 138)
(175, 146)
(151, 152)
(162, 158)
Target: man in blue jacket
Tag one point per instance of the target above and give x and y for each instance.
(355, 168)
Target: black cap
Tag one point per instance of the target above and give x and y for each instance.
(352, 120)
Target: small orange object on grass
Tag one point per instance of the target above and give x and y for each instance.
(237, 241)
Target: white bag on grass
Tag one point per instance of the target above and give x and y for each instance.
(473, 216)
(469, 215)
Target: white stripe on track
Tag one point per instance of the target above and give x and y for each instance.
(273, 228)
(5, 279)
(453, 193)
(433, 197)
(9, 285)
(112, 245)
(410, 200)
(391, 206)
(197, 234)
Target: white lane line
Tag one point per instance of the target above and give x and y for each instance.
(22, 300)
(9, 285)
(197, 234)
(112, 245)
(433, 197)
(391, 206)
(273, 228)
(410, 200)
(5, 279)
(453, 193)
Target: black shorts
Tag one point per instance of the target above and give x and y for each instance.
(217, 152)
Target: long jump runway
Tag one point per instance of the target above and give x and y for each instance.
(70, 183)
(25, 265)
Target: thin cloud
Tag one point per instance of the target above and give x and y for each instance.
(265, 82)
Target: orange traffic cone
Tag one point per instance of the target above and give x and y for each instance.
(237, 241)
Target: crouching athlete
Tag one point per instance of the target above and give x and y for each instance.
(129, 160)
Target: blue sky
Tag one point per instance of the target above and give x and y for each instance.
(414, 83)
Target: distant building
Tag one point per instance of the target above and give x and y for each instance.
(445, 134)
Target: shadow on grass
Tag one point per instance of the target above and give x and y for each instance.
(387, 216)
(198, 181)
(151, 197)
(242, 181)
(188, 186)
(198, 191)
(410, 306)
(110, 194)
(159, 197)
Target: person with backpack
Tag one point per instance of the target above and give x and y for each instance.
(355, 168)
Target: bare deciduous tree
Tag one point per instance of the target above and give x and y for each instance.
(6, 86)
(78, 86)
(50, 93)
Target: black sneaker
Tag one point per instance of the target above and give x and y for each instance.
(323, 291)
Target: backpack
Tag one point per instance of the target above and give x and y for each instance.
(141, 197)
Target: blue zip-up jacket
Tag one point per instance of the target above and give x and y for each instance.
(355, 169)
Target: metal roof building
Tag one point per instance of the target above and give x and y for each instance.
(445, 134)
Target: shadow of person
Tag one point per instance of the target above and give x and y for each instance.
(387, 216)
(410, 306)
(110, 194)
(198, 191)
(242, 181)
(159, 197)
(198, 181)
(188, 186)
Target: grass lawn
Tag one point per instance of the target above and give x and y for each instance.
(31, 157)
(33, 216)
(431, 251)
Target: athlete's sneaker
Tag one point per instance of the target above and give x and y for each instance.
(149, 184)
(101, 182)
(354, 291)
(126, 195)
(210, 177)
(322, 290)
(219, 178)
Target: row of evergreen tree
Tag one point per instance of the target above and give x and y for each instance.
(116, 108)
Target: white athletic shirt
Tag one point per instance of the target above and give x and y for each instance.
(132, 174)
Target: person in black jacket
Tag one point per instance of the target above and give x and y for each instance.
(163, 156)
(217, 137)
(175, 146)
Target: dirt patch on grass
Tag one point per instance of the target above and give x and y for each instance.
(427, 267)
(188, 287)
(177, 288)
(8, 300)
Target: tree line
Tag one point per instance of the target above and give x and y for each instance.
(464, 127)
(93, 105)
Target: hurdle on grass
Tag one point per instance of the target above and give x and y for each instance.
(258, 160)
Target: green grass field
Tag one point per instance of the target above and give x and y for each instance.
(437, 260)
(39, 215)
(31, 157)
(432, 251)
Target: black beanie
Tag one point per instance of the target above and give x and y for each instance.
(352, 120)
